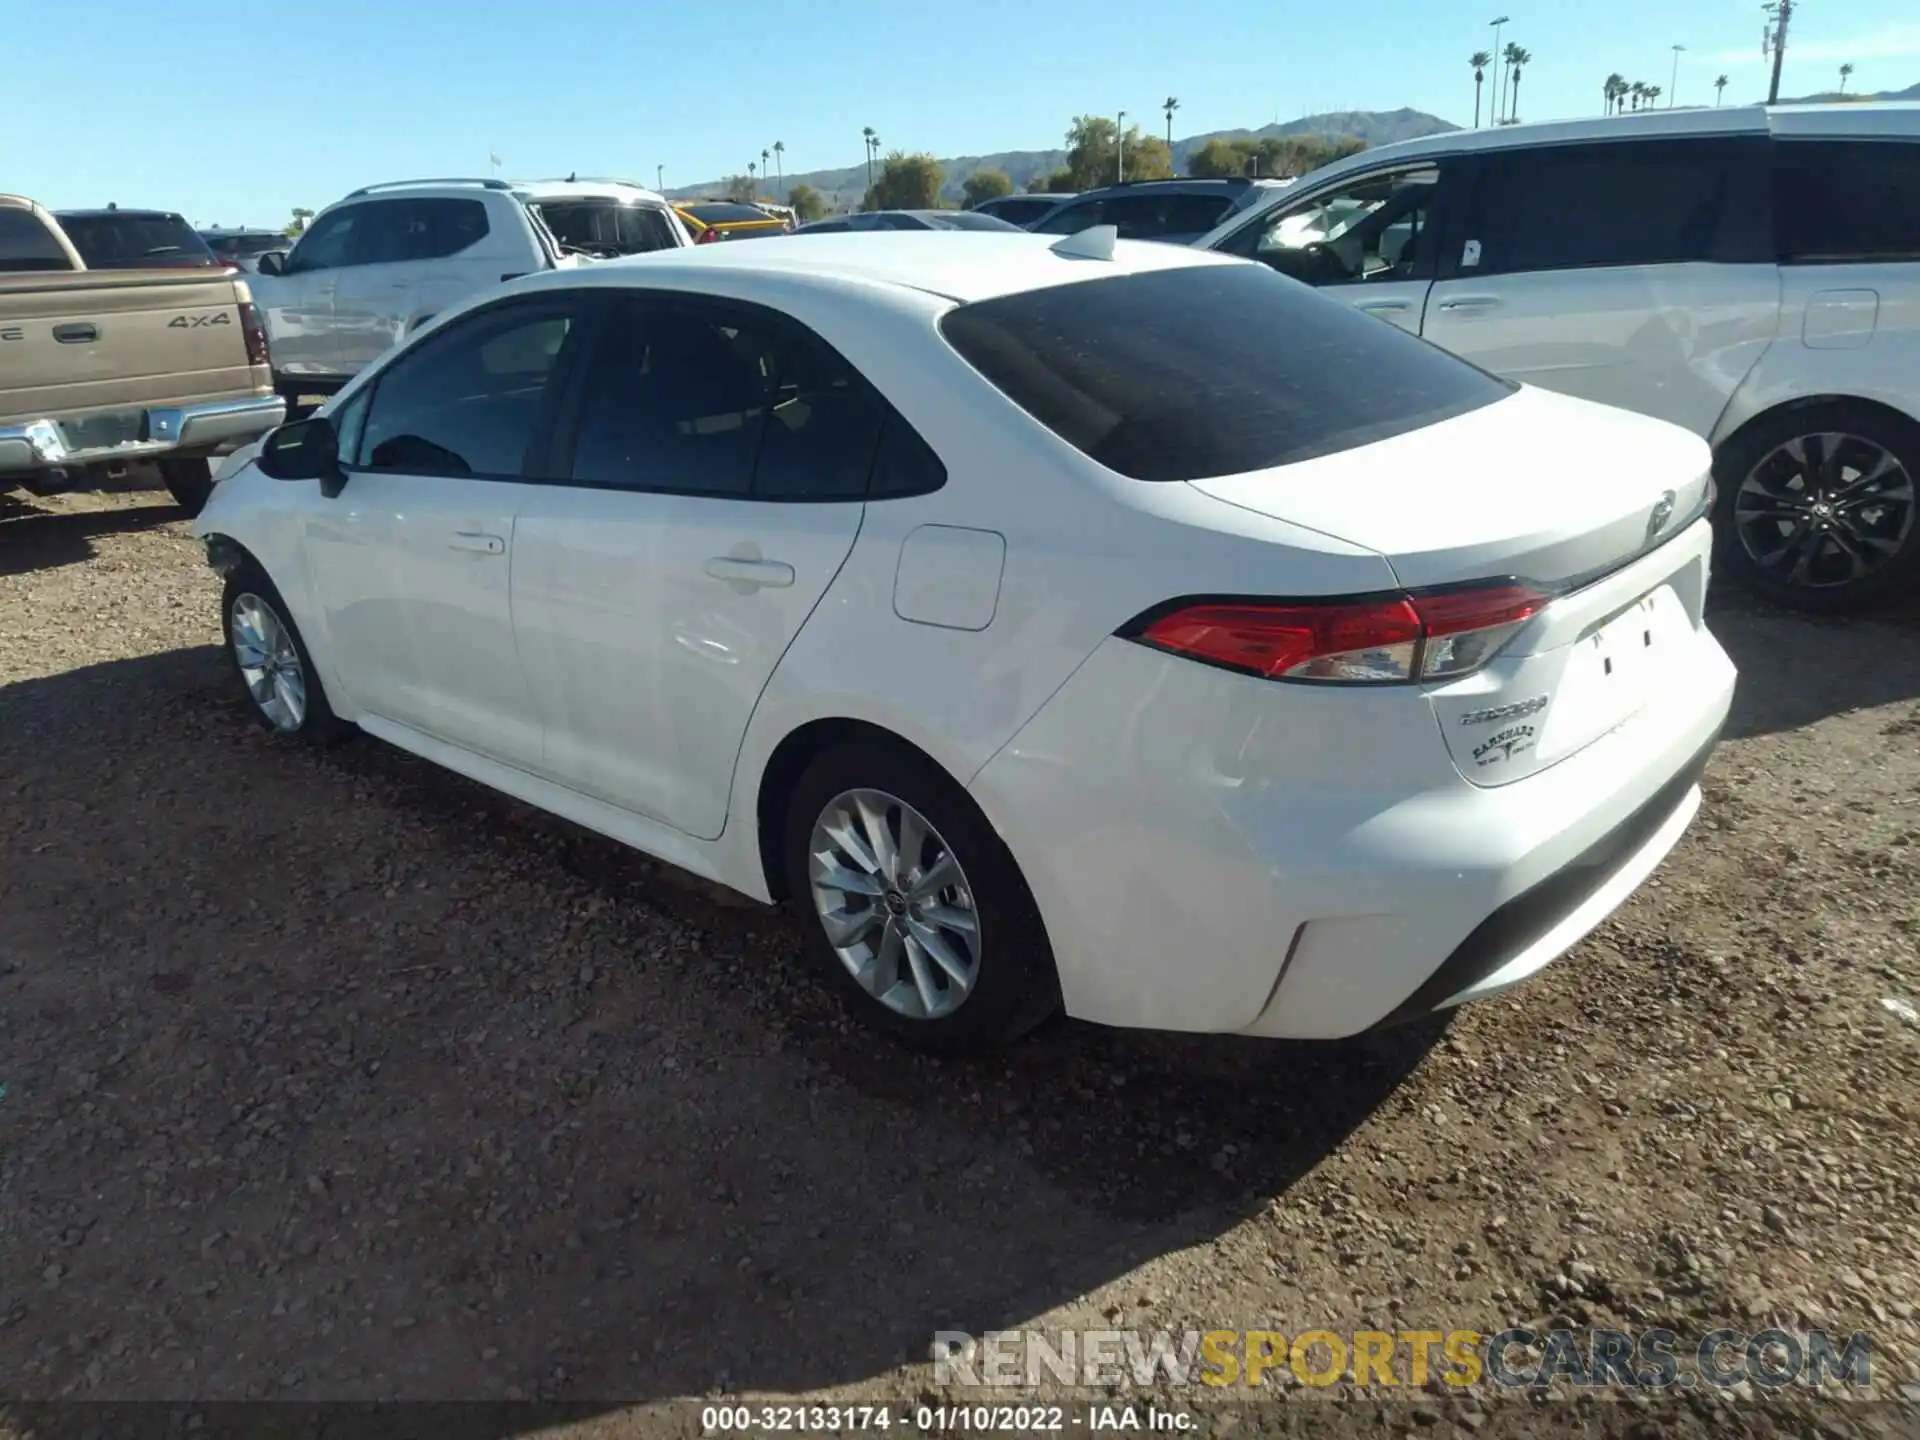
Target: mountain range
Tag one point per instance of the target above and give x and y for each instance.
(846, 186)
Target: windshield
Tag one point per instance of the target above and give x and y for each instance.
(120, 242)
(607, 227)
(1206, 370)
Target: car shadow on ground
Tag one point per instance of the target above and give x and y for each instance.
(33, 537)
(359, 1080)
(1797, 669)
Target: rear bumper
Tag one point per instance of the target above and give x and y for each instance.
(204, 427)
(1214, 852)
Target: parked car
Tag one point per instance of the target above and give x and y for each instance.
(1021, 210)
(1071, 623)
(116, 239)
(242, 249)
(906, 220)
(388, 257)
(102, 368)
(1752, 275)
(711, 220)
(1178, 212)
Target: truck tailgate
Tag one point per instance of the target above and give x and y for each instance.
(101, 340)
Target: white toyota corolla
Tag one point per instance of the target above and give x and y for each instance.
(1070, 623)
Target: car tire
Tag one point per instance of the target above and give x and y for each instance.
(271, 661)
(190, 482)
(1821, 451)
(886, 947)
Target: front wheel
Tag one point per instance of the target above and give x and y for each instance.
(1817, 505)
(270, 659)
(915, 909)
(190, 482)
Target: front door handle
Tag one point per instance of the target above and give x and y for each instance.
(750, 572)
(1470, 302)
(478, 540)
(1377, 305)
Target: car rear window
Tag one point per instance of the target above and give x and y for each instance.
(608, 225)
(1207, 370)
(120, 242)
(727, 214)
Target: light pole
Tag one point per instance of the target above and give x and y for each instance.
(1673, 81)
(1780, 12)
(1120, 147)
(660, 177)
(1500, 68)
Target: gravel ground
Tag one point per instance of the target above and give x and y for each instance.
(339, 1077)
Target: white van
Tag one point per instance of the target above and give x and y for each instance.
(389, 257)
(1752, 274)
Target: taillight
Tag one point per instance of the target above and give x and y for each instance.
(707, 237)
(1387, 640)
(256, 333)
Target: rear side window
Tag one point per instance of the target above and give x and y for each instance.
(1841, 200)
(1641, 202)
(125, 242)
(468, 401)
(27, 244)
(439, 228)
(1209, 370)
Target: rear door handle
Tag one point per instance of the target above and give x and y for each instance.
(1470, 302)
(80, 334)
(750, 572)
(1375, 305)
(478, 540)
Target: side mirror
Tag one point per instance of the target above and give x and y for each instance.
(305, 450)
(273, 262)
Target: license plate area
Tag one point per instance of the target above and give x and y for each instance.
(1612, 671)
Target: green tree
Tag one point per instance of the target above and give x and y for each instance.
(985, 185)
(1091, 158)
(299, 224)
(738, 188)
(1060, 182)
(1719, 89)
(807, 202)
(906, 182)
(1217, 160)
(1479, 60)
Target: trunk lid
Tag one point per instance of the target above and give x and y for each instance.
(1539, 487)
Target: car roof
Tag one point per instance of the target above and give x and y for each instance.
(1179, 185)
(122, 214)
(589, 189)
(959, 265)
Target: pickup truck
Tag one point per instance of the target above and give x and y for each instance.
(103, 368)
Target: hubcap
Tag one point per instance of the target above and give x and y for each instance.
(1824, 510)
(895, 904)
(269, 663)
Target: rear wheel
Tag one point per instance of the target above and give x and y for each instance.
(190, 482)
(915, 910)
(1817, 506)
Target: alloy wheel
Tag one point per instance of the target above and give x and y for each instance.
(269, 663)
(1824, 510)
(895, 904)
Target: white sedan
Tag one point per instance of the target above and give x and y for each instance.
(1054, 623)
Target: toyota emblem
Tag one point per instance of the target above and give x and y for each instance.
(1662, 512)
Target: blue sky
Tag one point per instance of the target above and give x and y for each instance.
(236, 113)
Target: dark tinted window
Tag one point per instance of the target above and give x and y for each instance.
(467, 401)
(331, 242)
(1209, 370)
(826, 227)
(239, 246)
(1641, 202)
(438, 228)
(821, 433)
(1847, 199)
(132, 241)
(1075, 218)
(27, 244)
(1019, 210)
(608, 226)
(905, 464)
(726, 214)
(673, 401)
(968, 220)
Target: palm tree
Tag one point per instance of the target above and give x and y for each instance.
(1719, 87)
(766, 157)
(1638, 91)
(753, 190)
(1517, 58)
(1172, 104)
(1653, 93)
(871, 138)
(1845, 71)
(1479, 60)
(1615, 87)
(779, 166)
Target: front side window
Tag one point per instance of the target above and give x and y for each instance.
(1373, 228)
(330, 243)
(469, 399)
(1847, 200)
(1636, 202)
(1075, 218)
(1206, 370)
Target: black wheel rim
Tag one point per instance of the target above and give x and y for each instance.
(1824, 510)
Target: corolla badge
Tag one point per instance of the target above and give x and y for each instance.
(1662, 512)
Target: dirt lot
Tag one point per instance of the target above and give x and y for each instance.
(335, 1076)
